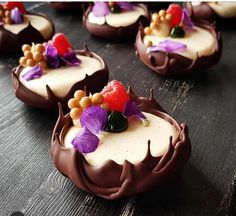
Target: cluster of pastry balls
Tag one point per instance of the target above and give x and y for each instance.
(5, 15)
(81, 102)
(33, 55)
(160, 24)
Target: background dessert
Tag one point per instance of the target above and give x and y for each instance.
(212, 10)
(19, 27)
(50, 73)
(114, 20)
(172, 44)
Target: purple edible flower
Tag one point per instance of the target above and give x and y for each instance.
(71, 58)
(85, 141)
(100, 9)
(16, 16)
(32, 73)
(186, 20)
(94, 118)
(168, 46)
(126, 5)
(1, 23)
(52, 56)
(131, 109)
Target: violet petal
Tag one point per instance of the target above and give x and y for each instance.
(131, 109)
(33, 73)
(71, 58)
(1, 24)
(52, 56)
(16, 16)
(168, 46)
(85, 141)
(126, 5)
(100, 9)
(186, 20)
(94, 118)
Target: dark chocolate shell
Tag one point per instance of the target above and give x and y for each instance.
(68, 6)
(202, 11)
(112, 180)
(111, 33)
(173, 64)
(93, 83)
(12, 43)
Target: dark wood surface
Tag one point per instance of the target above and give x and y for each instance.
(30, 184)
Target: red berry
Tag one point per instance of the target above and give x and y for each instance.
(19, 5)
(115, 95)
(61, 43)
(176, 11)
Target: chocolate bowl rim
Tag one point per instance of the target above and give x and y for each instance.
(192, 65)
(51, 102)
(162, 165)
(118, 31)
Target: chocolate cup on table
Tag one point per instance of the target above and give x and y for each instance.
(174, 64)
(112, 33)
(93, 83)
(111, 180)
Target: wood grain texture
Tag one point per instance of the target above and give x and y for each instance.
(29, 183)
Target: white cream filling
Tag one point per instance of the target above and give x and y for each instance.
(61, 80)
(131, 144)
(199, 42)
(38, 22)
(121, 19)
(224, 9)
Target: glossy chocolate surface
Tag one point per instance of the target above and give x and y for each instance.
(111, 33)
(93, 83)
(202, 11)
(173, 64)
(12, 43)
(112, 180)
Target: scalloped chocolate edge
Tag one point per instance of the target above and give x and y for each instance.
(112, 33)
(173, 64)
(111, 180)
(93, 83)
(12, 43)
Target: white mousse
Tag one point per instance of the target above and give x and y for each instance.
(120, 19)
(131, 144)
(224, 9)
(199, 42)
(61, 80)
(38, 22)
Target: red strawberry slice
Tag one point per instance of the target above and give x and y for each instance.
(19, 5)
(115, 95)
(176, 11)
(61, 43)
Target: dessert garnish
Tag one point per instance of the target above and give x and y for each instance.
(54, 54)
(173, 22)
(107, 111)
(11, 13)
(105, 8)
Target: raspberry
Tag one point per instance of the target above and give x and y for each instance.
(115, 95)
(176, 11)
(19, 5)
(62, 44)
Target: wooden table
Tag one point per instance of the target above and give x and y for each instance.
(30, 184)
